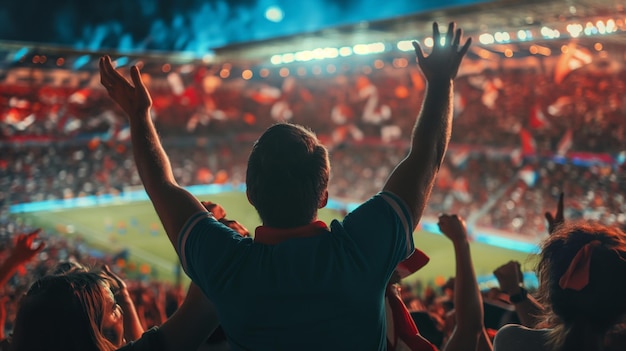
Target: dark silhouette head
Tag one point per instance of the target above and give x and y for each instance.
(287, 176)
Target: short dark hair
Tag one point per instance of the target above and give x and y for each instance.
(287, 175)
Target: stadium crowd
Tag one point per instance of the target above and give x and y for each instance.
(72, 144)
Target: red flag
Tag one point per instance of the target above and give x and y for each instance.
(529, 147)
(537, 119)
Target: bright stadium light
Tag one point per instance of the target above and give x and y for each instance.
(502, 37)
(376, 48)
(360, 49)
(331, 52)
(304, 56)
(345, 51)
(486, 39)
(318, 54)
(276, 59)
(372, 48)
(610, 26)
(574, 29)
(274, 14)
(288, 58)
(405, 45)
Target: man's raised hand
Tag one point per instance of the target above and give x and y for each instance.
(133, 98)
(444, 60)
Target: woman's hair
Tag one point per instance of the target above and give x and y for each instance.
(62, 312)
(65, 267)
(583, 312)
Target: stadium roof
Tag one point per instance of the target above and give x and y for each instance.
(536, 20)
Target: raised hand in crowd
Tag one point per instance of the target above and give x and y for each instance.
(216, 209)
(444, 60)
(133, 98)
(413, 178)
(22, 252)
(132, 324)
(511, 281)
(220, 214)
(558, 218)
(469, 332)
(173, 204)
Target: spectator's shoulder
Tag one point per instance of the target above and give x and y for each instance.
(151, 340)
(515, 337)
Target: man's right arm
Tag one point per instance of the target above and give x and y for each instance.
(413, 178)
(173, 204)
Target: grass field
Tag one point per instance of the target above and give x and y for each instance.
(136, 227)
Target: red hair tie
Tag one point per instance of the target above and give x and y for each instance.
(577, 275)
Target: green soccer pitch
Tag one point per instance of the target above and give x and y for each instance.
(136, 227)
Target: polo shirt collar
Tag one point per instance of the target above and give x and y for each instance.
(268, 235)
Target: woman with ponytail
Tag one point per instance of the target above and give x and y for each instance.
(582, 275)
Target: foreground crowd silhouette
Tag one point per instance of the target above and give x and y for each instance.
(299, 283)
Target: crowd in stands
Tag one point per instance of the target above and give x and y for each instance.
(508, 198)
(56, 295)
(377, 102)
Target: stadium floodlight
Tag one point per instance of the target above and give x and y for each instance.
(288, 58)
(376, 48)
(499, 37)
(574, 29)
(610, 26)
(590, 29)
(486, 39)
(405, 45)
(601, 27)
(276, 59)
(318, 54)
(549, 33)
(345, 51)
(372, 48)
(331, 52)
(274, 14)
(303, 56)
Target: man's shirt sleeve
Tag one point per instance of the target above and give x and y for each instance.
(208, 250)
(383, 229)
